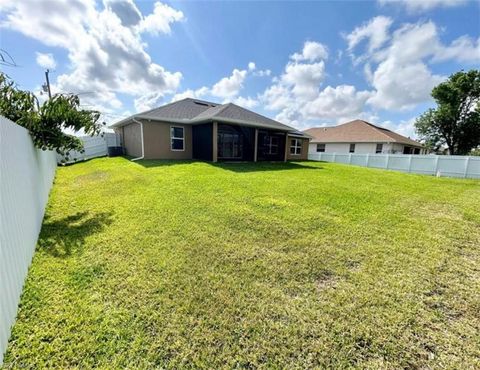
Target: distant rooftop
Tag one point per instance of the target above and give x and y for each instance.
(357, 131)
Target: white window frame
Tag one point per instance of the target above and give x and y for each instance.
(271, 145)
(295, 144)
(177, 138)
(324, 148)
(350, 148)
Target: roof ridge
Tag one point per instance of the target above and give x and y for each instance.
(224, 106)
(378, 129)
(221, 106)
(319, 127)
(162, 106)
(203, 101)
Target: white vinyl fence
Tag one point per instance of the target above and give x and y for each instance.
(94, 146)
(26, 176)
(439, 165)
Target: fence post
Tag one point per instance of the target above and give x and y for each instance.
(410, 163)
(436, 166)
(466, 167)
(388, 158)
(368, 157)
(350, 158)
(334, 157)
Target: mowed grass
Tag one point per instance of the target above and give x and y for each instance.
(299, 265)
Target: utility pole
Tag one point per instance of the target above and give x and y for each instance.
(46, 87)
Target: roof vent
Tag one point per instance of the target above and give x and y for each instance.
(201, 103)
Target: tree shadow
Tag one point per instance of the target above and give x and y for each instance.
(265, 166)
(64, 237)
(234, 166)
(147, 163)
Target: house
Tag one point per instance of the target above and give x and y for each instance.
(360, 137)
(197, 129)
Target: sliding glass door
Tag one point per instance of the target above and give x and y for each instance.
(230, 145)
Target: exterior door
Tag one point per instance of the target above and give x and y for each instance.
(230, 145)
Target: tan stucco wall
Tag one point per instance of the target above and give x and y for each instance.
(302, 156)
(156, 137)
(131, 139)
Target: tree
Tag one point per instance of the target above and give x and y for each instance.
(456, 120)
(48, 122)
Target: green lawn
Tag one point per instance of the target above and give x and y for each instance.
(298, 265)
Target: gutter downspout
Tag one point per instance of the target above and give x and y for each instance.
(141, 136)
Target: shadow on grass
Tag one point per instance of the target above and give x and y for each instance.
(148, 163)
(233, 166)
(64, 237)
(264, 166)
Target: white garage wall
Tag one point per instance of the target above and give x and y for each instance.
(26, 177)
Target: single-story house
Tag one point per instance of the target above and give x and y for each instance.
(197, 129)
(361, 137)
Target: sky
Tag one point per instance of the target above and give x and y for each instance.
(305, 64)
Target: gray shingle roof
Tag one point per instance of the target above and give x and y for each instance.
(192, 111)
(236, 113)
(185, 109)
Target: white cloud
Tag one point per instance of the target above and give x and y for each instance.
(297, 95)
(46, 61)
(126, 10)
(105, 47)
(417, 6)
(262, 73)
(247, 102)
(161, 18)
(401, 86)
(464, 49)
(375, 32)
(311, 52)
(147, 101)
(229, 87)
(397, 65)
(304, 79)
(195, 94)
(343, 102)
(404, 127)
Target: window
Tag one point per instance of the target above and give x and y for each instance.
(295, 147)
(321, 148)
(352, 148)
(177, 138)
(271, 142)
(379, 148)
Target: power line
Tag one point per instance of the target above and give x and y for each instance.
(6, 59)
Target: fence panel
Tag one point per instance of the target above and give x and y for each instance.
(94, 146)
(448, 165)
(26, 177)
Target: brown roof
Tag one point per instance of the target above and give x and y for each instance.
(357, 131)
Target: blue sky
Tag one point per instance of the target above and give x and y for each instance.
(303, 63)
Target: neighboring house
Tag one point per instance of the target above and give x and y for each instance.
(360, 137)
(197, 129)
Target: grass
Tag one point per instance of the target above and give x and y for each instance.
(299, 265)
